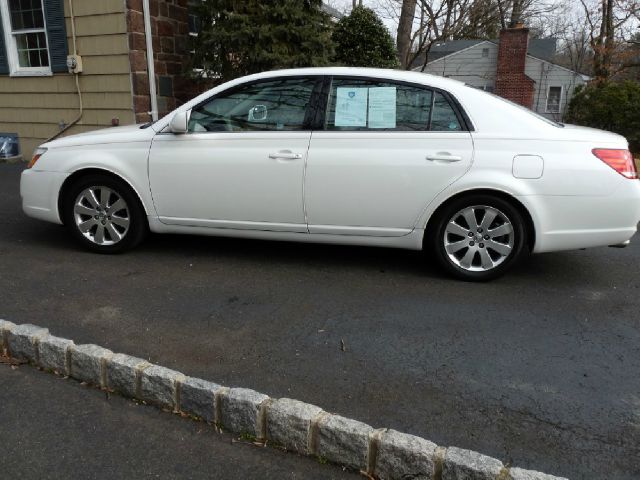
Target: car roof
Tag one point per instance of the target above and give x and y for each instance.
(402, 75)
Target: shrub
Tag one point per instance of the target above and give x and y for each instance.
(609, 106)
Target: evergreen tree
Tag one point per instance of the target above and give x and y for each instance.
(362, 40)
(239, 37)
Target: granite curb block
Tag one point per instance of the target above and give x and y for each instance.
(289, 424)
(159, 385)
(22, 341)
(405, 456)
(54, 354)
(88, 364)
(241, 412)
(123, 374)
(198, 398)
(383, 454)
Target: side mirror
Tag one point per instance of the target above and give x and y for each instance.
(178, 123)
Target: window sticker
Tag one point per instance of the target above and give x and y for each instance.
(382, 107)
(351, 107)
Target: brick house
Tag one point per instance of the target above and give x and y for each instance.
(40, 96)
(514, 67)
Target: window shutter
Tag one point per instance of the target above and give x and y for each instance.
(56, 34)
(4, 65)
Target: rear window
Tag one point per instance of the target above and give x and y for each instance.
(524, 109)
(364, 104)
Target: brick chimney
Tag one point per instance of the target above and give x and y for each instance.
(511, 81)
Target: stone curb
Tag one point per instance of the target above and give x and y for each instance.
(383, 454)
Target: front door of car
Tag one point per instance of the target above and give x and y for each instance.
(386, 150)
(241, 163)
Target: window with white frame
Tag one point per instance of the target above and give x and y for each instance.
(554, 99)
(25, 34)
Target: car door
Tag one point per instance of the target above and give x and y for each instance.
(386, 150)
(241, 163)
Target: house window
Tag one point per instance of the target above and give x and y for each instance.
(25, 35)
(194, 20)
(554, 96)
(485, 52)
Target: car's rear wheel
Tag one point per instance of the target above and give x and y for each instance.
(478, 237)
(104, 214)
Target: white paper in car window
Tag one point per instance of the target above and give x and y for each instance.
(382, 107)
(351, 107)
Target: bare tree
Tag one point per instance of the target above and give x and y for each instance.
(609, 27)
(422, 23)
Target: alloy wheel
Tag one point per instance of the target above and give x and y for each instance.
(479, 238)
(101, 215)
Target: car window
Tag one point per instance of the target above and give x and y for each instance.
(362, 104)
(262, 106)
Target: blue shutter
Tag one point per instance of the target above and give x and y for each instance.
(4, 65)
(56, 34)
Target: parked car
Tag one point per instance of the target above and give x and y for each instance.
(349, 156)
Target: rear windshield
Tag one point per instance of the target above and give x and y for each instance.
(524, 109)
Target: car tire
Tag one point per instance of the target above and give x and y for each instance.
(104, 214)
(477, 237)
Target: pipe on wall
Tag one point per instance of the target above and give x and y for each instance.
(151, 70)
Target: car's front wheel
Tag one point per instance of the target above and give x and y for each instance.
(104, 214)
(478, 237)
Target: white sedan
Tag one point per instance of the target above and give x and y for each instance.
(351, 156)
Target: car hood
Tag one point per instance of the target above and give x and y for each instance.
(127, 133)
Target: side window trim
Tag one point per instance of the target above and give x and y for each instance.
(463, 119)
(431, 107)
(309, 114)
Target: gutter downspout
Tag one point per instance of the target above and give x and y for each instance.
(75, 52)
(151, 70)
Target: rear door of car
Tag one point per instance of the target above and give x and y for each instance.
(383, 151)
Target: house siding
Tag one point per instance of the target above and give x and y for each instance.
(34, 107)
(470, 67)
(546, 74)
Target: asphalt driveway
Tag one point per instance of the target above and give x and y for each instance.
(540, 368)
(55, 428)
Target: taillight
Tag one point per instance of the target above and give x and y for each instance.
(620, 160)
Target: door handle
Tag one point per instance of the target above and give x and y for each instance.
(444, 157)
(285, 155)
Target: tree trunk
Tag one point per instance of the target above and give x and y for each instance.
(609, 41)
(516, 13)
(603, 44)
(405, 25)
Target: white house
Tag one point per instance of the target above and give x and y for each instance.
(513, 67)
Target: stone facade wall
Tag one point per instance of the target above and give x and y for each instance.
(171, 51)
